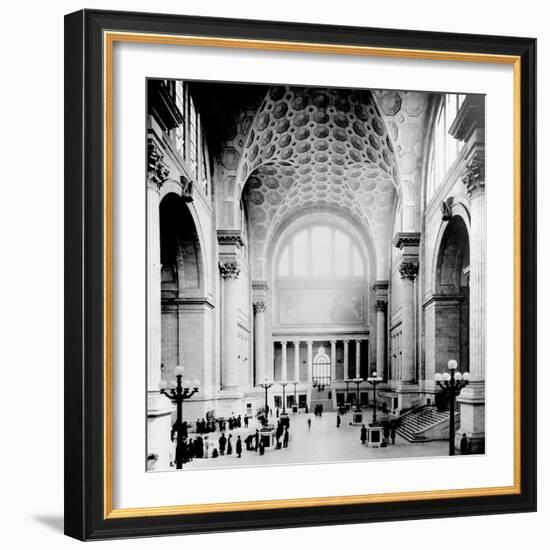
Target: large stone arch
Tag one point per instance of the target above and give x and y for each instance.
(318, 148)
(446, 312)
(185, 307)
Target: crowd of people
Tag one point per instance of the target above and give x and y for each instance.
(203, 443)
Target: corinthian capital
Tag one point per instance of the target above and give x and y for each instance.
(230, 270)
(259, 307)
(474, 178)
(157, 169)
(381, 305)
(408, 270)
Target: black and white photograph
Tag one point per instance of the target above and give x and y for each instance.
(315, 274)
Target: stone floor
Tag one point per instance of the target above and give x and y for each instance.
(323, 442)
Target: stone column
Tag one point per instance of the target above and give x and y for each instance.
(159, 407)
(381, 306)
(346, 359)
(333, 360)
(230, 375)
(309, 361)
(357, 358)
(472, 397)
(407, 389)
(297, 360)
(408, 272)
(283, 361)
(259, 341)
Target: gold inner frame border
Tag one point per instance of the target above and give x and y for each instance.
(109, 40)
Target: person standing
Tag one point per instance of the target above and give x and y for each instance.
(392, 434)
(309, 423)
(464, 445)
(338, 420)
(246, 421)
(256, 440)
(222, 441)
(386, 433)
(363, 434)
(229, 445)
(262, 448)
(239, 446)
(285, 438)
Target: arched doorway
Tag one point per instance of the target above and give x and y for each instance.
(447, 312)
(321, 369)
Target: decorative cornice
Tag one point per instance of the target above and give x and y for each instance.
(260, 307)
(381, 285)
(470, 117)
(474, 178)
(157, 169)
(406, 239)
(408, 270)
(381, 305)
(230, 236)
(260, 285)
(230, 270)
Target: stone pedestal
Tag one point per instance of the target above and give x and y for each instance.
(159, 426)
(375, 435)
(472, 416)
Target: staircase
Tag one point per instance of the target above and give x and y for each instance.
(413, 425)
(321, 398)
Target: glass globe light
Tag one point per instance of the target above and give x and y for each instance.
(458, 376)
(438, 377)
(186, 383)
(178, 370)
(452, 364)
(162, 385)
(196, 383)
(446, 377)
(466, 376)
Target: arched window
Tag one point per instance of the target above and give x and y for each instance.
(444, 148)
(320, 251)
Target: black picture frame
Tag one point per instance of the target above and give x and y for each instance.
(85, 517)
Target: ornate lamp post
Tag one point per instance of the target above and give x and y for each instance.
(452, 383)
(266, 384)
(374, 379)
(284, 384)
(179, 391)
(347, 382)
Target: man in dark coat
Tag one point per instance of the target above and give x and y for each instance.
(285, 438)
(363, 434)
(338, 420)
(239, 446)
(199, 447)
(222, 442)
(256, 440)
(262, 448)
(246, 421)
(392, 434)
